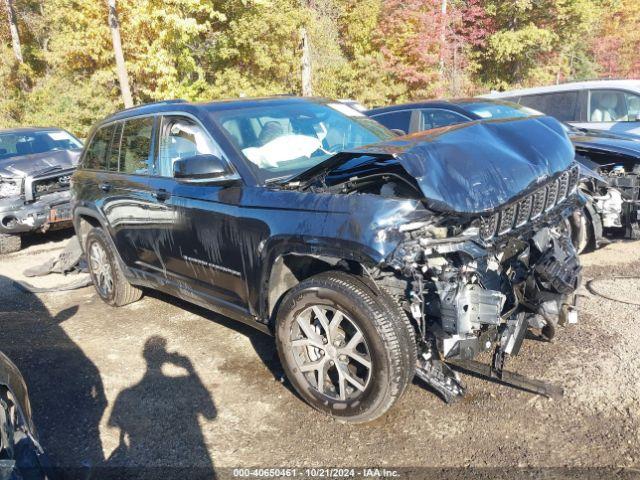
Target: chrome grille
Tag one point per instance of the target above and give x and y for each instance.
(552, 195)
(574, 177)
(489, 226)
(544, 199)
(563, 186)
(538, 203)
(507, 218)
(524, 211)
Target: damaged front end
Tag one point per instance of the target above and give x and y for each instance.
(482, 288)
(492, 257)
(34, 192)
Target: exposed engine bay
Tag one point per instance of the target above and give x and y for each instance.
(479, 289)
(615, 202)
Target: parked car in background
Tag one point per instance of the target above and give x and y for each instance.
(612, 105)
(35, 169)
(369, 257)
(611, 163)
(21, 456)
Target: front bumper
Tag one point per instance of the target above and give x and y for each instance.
(49, 211)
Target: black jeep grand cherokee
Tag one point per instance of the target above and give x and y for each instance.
(369, 257)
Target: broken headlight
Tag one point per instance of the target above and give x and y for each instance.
(10, 188)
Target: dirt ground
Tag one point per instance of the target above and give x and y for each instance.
(161, 383)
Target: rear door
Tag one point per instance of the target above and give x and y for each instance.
(127, 197)
(564, 106)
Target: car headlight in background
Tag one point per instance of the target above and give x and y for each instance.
(10, 188)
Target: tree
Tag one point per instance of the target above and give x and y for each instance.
(411, 50)
(307, 86)
(616, 47)
(123, 77)
(13, 28)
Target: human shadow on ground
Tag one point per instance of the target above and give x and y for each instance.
(263, 344)
(158, 421)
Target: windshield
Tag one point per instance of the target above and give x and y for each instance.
(283, 140)
(497, 110)
(20, 143)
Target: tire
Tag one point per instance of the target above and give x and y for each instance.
(10, 243)
(103, 263)
(385, 340)
(581, 231)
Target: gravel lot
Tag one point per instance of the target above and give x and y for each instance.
(207, 391)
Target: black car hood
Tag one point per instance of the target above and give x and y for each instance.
(606, 143)
(25, 165)
(472, 167)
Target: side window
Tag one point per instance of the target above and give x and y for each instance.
(437, 117)
(613, 106)
(136, 146)
(113, 157)
(562, 105)
(181, 137)
(395, 120)
(96, 153)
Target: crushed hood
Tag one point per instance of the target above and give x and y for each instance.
(473, 167)
(33, 164)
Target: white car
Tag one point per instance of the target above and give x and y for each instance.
(601, 105)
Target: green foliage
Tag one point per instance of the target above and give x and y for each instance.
(375, 51)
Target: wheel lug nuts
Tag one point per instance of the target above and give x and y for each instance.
(343, 358)
(336, 343)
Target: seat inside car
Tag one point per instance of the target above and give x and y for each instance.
(605, 107)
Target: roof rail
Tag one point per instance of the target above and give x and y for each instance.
(161, 102)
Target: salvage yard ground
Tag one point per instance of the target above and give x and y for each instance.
(164, 383)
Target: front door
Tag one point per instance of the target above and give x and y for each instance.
(197, 244)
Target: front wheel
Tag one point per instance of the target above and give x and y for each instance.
(348, 351)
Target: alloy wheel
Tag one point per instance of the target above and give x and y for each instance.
(331, 353)
(101, 269)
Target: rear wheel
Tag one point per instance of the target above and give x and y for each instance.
(10, 243)
(346, 349)
(108, 278)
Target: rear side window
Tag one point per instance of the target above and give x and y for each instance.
(437, 117)
(395, 120)
(96, 153)
(135, 146)
(562, 105)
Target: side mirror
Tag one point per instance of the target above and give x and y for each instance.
(398, 132)
(199, 167)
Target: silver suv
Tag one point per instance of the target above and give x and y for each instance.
(601, 105)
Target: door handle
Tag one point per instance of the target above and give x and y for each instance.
(105, 187)
(161, 194)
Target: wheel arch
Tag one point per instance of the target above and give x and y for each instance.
(84, 219)
(288, 269)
